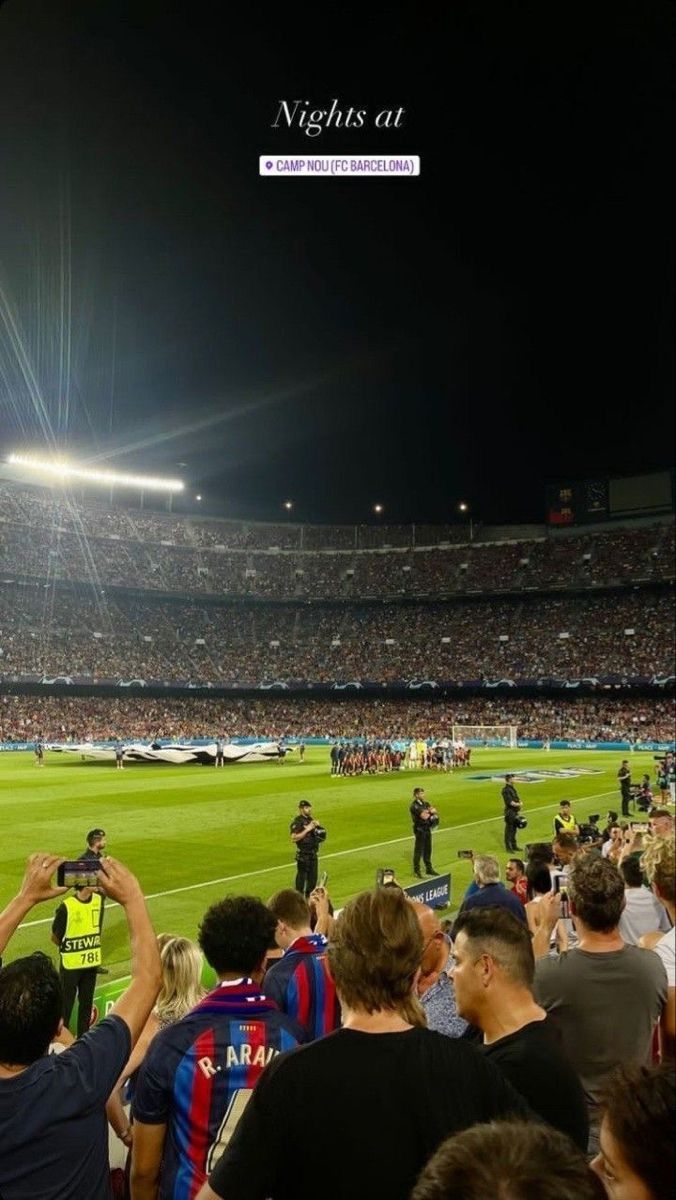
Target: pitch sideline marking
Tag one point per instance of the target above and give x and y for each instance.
(191, 887)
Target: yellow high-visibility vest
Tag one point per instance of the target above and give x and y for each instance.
(81, 944)
(566, 823)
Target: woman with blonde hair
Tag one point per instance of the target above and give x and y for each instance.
(659, 864)
(181, 990)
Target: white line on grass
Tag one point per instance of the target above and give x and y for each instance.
(191, 887)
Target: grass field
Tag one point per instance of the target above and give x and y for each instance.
(193, 834)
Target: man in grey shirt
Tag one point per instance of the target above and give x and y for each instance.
(604, 997)
(642, 912)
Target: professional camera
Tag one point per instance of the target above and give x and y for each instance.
(590, 832)
(320, 833)
(433, 822)
(521, 822)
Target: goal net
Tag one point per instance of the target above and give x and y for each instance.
(486, 735)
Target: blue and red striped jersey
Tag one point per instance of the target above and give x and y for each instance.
(198, 1075)
(301, 985)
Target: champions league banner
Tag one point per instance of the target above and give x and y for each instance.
(177, 755)
(435, 893)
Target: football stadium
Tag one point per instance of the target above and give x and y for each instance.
(337, 570)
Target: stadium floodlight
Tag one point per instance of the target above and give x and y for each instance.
(64, 470)
(378, 509)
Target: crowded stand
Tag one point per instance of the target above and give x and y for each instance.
(548, 1091)
(84, 632)
(93, 718)
(42, 537)
(510, 999)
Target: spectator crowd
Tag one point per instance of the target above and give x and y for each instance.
(51, 630)
(363, 1051)
(49, 538)
(58, 718)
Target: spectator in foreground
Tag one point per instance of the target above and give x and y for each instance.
(435, 989)
(515, 874)
(599, 977)
(392, 1088)
(508, 1160)
(565, 847)
(659, 862)
(493, 977)
(539, 880)
(53, 1129)
(642, 912)
(197, 1074)
(491, 893)
(661, 822)
(300, 983)
(636, 1160)
(181, 990)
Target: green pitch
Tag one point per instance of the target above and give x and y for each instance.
(193, 834)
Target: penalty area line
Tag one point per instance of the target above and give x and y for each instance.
(192, 887)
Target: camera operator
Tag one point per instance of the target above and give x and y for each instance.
(589, 833)
(425, 819)
(512, 803)
(307, 835)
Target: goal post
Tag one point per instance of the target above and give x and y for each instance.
(486, 735)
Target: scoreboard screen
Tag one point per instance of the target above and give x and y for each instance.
(577, 503)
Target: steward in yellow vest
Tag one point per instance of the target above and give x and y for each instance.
(564, 821)
(76, 930)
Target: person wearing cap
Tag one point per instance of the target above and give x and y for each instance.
(303, 830)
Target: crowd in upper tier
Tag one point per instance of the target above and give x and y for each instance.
(44, 537)
(94, 718)
(52, 631)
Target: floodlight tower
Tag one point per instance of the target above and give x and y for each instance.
(464, 508)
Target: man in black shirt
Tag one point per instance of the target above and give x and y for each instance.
(360, 1077)
(306, 836)
(425, 819)
(96, 845)
(624, 780)
(95, 850)
(512, 805)
(493, 977)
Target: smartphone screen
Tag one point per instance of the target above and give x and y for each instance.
(78, 872)
(561, 887)
(465, 854)
(323, 879)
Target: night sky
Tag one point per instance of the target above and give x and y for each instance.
(503, 320)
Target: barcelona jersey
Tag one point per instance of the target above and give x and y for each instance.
(198, 1075)
(301, 985)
